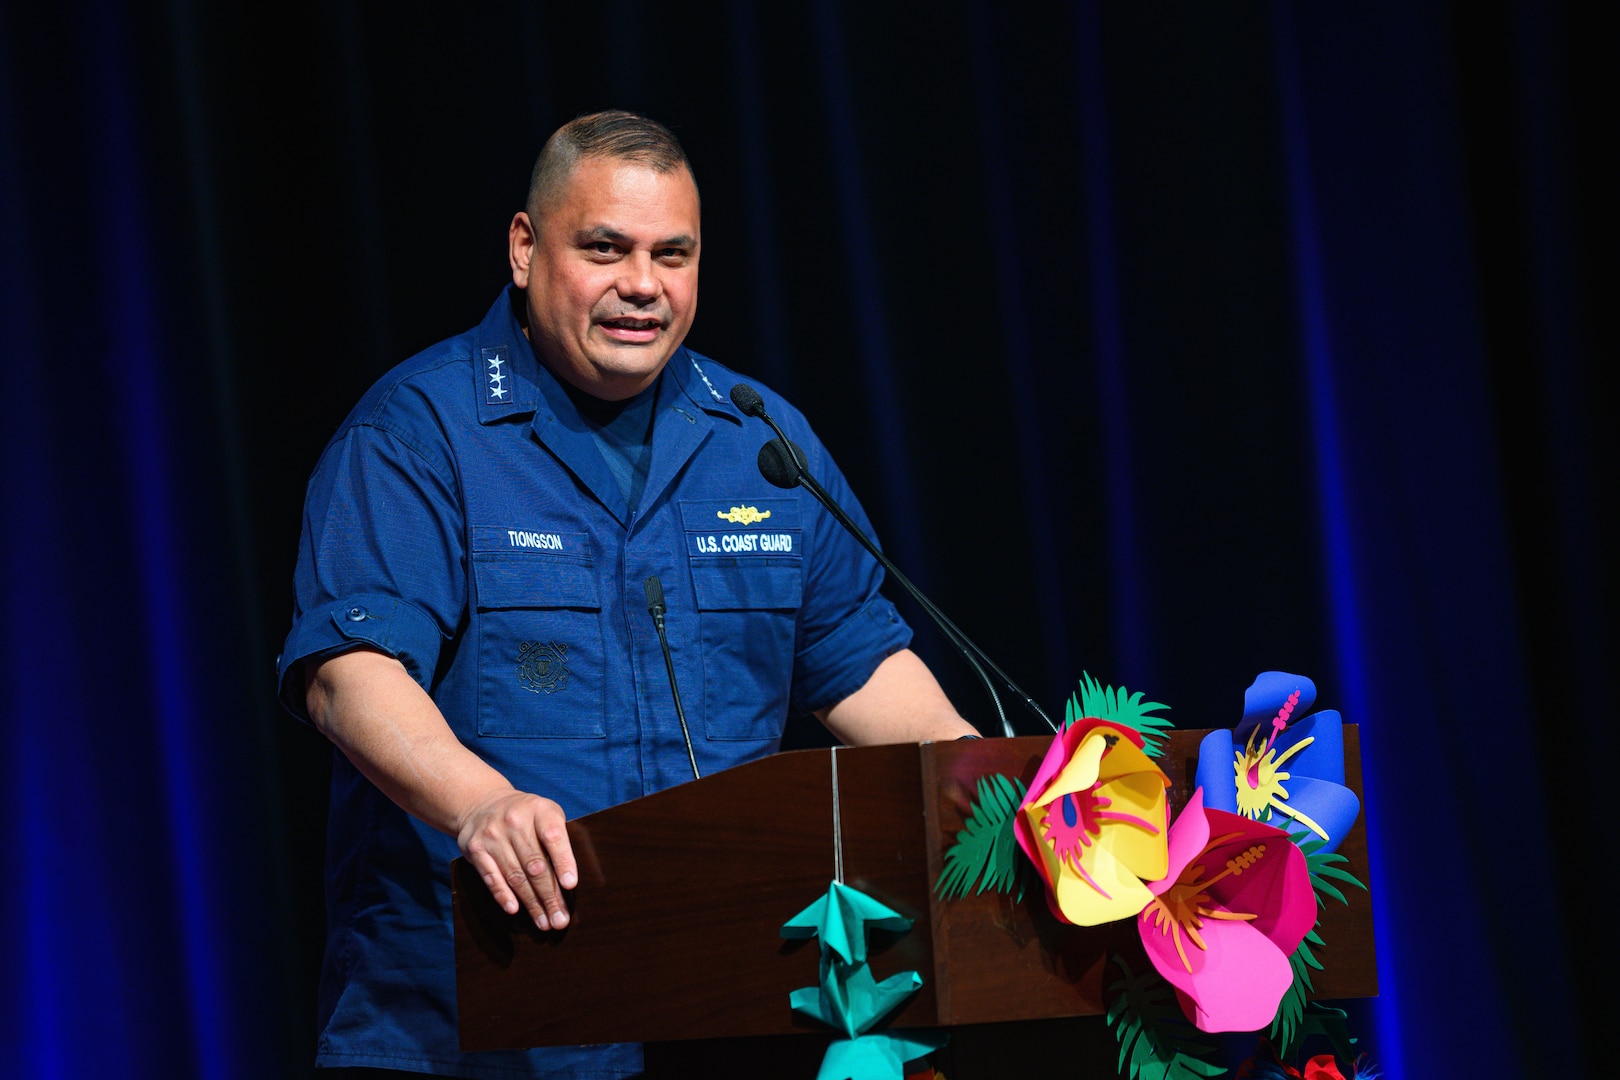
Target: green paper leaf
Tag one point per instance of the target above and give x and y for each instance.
(1308, 958)
(1333, 1025)
(1155, 1040)
(1323, 865)
(1288, 1028)
(1116, 706)
(1286, 1033)
(1323, 889)
(985, 850)
(1339, 874)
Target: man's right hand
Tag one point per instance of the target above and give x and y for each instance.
(518, 843)
(370, 707)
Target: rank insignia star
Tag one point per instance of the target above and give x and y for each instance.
(495, 372)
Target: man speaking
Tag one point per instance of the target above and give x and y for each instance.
(470, 626)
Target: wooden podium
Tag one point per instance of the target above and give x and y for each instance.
(682, 895)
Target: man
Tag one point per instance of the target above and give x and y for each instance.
(470, 627)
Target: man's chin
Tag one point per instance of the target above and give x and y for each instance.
(633, 359)
(617, 377)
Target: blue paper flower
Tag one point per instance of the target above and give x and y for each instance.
(1279, 766)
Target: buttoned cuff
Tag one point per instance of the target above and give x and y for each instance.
(385, 623)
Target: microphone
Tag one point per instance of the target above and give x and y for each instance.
(655, 608)
(782, 463)
(779, 463)
(747, 399)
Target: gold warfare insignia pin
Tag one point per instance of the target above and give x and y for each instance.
(742, 515)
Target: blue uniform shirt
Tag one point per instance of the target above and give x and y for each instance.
(464, 520)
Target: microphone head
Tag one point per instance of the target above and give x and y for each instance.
(655, 596)
(747, 399)
(777, 463)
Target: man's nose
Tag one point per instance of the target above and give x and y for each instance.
(639, 280)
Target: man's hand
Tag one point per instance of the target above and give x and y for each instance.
(373, 711)
(519, 845)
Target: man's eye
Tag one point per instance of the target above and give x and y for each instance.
(600, 247)
(673, 254)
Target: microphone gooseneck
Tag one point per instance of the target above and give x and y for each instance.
(775, 459)
(656, 608)
(782, 463)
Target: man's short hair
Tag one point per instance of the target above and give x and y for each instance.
(610, 134)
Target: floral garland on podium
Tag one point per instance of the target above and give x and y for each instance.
(1225, 897)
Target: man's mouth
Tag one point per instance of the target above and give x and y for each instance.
(630, 330)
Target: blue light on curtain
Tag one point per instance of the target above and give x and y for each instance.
(33, 1021)
(133, 906)
(219, 225)
(1458, 818)
(1336, 528)
(142, 419)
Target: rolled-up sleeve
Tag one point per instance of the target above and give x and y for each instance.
(846, 626)
(380, 558)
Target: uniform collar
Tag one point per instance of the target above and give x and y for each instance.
(705, 384)
(505, 372)
(511, 382)
(508, 380)
(701, 382)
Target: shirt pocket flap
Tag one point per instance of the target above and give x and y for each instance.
(749, 585)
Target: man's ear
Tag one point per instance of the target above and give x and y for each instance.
(520, 242)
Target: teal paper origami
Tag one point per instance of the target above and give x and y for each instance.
(848, 998)
(840, 918)
(853, 1002)
(869, 1057)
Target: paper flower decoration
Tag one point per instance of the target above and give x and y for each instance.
(1280, 766)
(1094, 822)
(1236, 903)
(1266, 1066)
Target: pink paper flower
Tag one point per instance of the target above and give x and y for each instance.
(1094, 822)
(1236, 903)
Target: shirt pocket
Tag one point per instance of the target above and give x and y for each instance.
(539, 639)
(747, 559)
(747, 618)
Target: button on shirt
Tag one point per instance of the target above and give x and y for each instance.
(464, 520)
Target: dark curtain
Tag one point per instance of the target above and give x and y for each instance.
(1165, 343)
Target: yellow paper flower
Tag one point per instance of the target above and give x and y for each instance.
(1095, 823)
